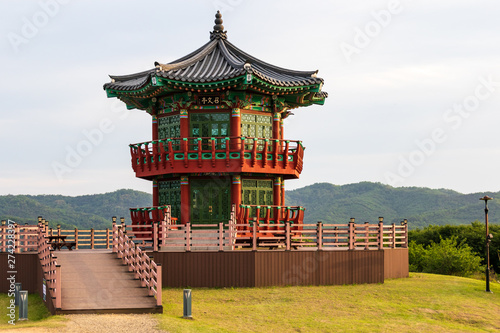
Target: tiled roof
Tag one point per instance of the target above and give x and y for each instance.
(217, 60)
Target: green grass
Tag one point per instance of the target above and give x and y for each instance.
(38, 315)
(421, 303)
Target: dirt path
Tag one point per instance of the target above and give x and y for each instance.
(104, 323)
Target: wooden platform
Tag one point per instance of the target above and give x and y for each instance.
(96, 282)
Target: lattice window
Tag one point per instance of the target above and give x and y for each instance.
(256, 126)
(257, 192)
(210, 125)
(169, 193)
(169, 127)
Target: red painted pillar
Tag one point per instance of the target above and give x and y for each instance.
(235, 128)
(236, 192)
(185, 200)
(282, 130)
(283, 192)
(277, 192)
(156, 196)
(276, 126)
(155, 128)
(184, 118)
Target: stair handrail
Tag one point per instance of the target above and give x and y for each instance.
(51, 269)
(144, 267)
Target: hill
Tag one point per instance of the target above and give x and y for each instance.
(367, 201)
(325, 202)
(86, 211)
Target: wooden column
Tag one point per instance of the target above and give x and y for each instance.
(235, 128)
(277, 192)
(236, 193)
(184, 119)
(156, 195)
(185, 200)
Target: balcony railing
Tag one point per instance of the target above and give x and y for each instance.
(217, 154)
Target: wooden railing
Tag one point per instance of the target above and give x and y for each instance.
(234, 153)
(85, 238)
(144, 268)
(51, 270)
(18, 238)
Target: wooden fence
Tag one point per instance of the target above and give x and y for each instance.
(51, 270)
(144, 267)
(260, 234)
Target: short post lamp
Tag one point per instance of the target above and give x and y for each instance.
(488, 239)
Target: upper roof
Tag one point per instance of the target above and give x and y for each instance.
(218, 61)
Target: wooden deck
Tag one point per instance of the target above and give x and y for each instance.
(96, 281)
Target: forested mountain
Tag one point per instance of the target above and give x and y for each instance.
(324, 202)
(86, 211)
(367, 201)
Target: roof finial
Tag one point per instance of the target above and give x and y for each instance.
(218, 32)
(218, 22)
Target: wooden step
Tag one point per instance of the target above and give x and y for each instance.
(98, 282)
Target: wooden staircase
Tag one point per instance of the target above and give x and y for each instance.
(96, 281)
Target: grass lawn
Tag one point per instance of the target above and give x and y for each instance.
(421, 303)
(38, 315)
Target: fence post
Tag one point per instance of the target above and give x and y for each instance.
(155, 236)
(381, 233)
(319, 235)
(17, 242)
(287, 227)
(158, 284)
(164, 224)
(92, 238)
(393, 229)
(367, 235)
(351, 234)
(122, 221)
(188, 236)
(58, 230)
(405, 224)
(221, 237)
(254, 234)
(107, 238)
(58, 287)
(76, 238)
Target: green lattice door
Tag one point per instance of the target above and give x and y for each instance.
(210, 200)
(169, 193)
(257, 192)
(210, 125)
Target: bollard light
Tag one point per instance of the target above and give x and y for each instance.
(23, 305)
(187, 304)
(17, 289)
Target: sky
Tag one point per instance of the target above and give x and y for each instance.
(414, 87)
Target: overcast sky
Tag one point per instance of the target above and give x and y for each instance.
(414, 87)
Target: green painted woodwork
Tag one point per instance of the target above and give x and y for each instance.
(210, 200)
(257, 192)
(169, 193)
(169, 127)
(256, 126)
(209, 125)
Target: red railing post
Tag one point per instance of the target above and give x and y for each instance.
(367, 235)
(92, 238)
